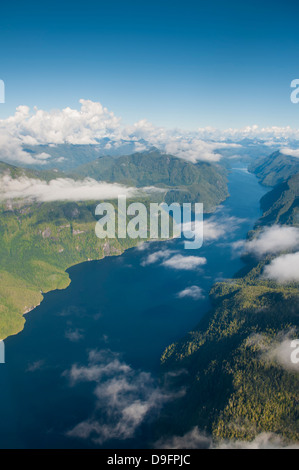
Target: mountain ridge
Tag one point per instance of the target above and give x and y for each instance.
(234, 388)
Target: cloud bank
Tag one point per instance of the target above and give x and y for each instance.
(184, 262)
(94, 122)
(195, 439)
(159, 255)
(124, 398)
(60, 189)
(171, 259)
(284, 349)
(291, 152)
(270, 240)
(284, 268)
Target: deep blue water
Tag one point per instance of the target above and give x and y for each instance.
(111, 325)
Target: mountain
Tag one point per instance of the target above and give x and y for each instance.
(235, 386)
(40, 240)
(16, 172)
(281, 205)
(65, 157)
(233, 391)
(275, 168)
(38, 243)
(183, 180)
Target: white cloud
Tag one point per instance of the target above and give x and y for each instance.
(196, 149)
(11, 150)
(74, 335)
(272, 239)
(272, 135)
(215, 227)
(93, 122)
(213, 230)
(60, 189)
(100, 364)
(195, 439)
(84, 126)
(264, 440)
(291, 152)
(124, 397)
(156, 256)
(184, 262)
(88, 125)
(284, 268)
(283, 349)
(194, 292)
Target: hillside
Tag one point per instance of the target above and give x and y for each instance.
(183, 180)
(281, 205)
(66, 157)
(235, 387)
(38, 242)
(16, 172)
(275, 168)
(233, 391)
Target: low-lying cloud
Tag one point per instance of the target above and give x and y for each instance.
(284, 268)
(290, 152)
(74, 335)
(270, 240)
(194, 292)
(156, 256)
(283, 350)
(91, 124)
(11, 150)
(174, 260)
(184, 262)
(195, 439)
(60, 189)
(124, 398)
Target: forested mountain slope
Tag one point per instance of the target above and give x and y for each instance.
(183, 180)
(237, 385)
(38, 242)
(275, 168)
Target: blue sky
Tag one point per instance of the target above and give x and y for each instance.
(177, 63)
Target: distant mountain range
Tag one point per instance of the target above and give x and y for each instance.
(183, 180)
(66, 157)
